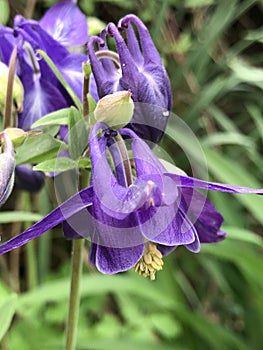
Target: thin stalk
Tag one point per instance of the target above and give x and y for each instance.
(74, 301)
(29, 10)
(109, 54)
(9, 90)
(77, 257)
(125, 159)
(32, 279)
(85, 92)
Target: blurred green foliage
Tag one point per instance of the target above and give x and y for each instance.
(211, 300)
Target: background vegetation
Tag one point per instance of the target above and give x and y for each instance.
(211, 300)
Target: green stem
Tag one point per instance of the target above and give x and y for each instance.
(29, 10)
(30, 247)
(76, 270)
(61, 79)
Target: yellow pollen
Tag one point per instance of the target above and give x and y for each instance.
(151, 202)
(150, 262)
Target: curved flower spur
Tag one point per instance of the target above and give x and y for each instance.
(138, 68)
(133, 218)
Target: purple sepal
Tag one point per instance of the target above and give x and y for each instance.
(66, 23)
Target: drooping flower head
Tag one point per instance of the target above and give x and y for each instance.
(135, 211)
(7, 167)
(139, 69)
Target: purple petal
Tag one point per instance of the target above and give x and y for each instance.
(116, 200)
(114, 260)
(66, 24)
(149, 167)
(129, 69)
(167, 225)
(71, 69)
(73, 205)
(150, 52)
(108, 231)
(104, 82)
(8, 41)
(195, 246)
(41, 98)
(134, 46)
(206, 219)
(185, 181)
(165, 250)
(39, 38)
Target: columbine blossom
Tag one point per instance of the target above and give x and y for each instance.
(7, 167)
(62, 25)
(140, 70)
(43, 92)
(133, 219)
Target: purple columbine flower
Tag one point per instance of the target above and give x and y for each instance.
(57, 29)
(139, 69)
(134, 214)
(7, 167)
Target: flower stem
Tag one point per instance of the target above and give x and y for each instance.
(9, 91)
(76, 269)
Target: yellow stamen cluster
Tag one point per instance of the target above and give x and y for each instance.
(150, 262)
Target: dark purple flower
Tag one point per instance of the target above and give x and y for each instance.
(43, 92)
(140, 70)
(7, 167)
(27, 179)
(134, 220)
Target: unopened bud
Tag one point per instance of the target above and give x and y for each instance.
(116, 110)
(18, 90)
(17, 136)
(7, 167)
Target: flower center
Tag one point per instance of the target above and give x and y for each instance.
(150, 262)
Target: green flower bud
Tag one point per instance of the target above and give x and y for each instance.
(116, 110)
(17, 136)
(18, 90)
(7, 167)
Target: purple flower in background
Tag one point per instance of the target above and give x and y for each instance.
(139, 70)
(27, 179)
(62, 25)
(7, 167)
(133, 219)
(43, 92)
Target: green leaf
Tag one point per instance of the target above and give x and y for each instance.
(4, 13)
(7, 311)
(230, 171)
(38, 148)
(56, 165)
(92, 103)
(18, 216)
(198, 3)
(126, 343)
(59, 117)
(77, 133)
(84, 163)
(246, 72)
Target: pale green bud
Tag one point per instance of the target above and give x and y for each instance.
(116, 110)
(18, 90)
(7, 167)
